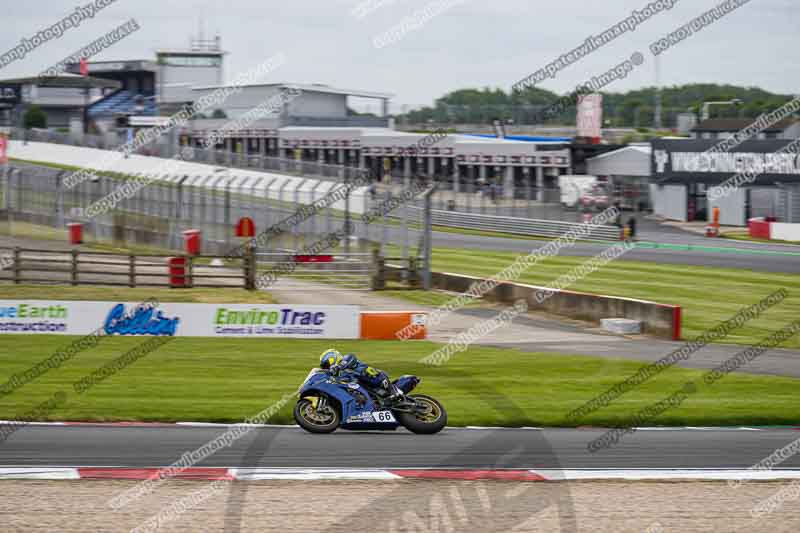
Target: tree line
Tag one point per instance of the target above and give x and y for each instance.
(634, 108)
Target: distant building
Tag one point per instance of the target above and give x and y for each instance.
(722, 128)
(627, 172)
(463, 163)
(317, 105)
(181, 70)
(316, 124)
(684, 170)
(64, 99)
(686, 122)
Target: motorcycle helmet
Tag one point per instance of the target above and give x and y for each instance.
(328, 358)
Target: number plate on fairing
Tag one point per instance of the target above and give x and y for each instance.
(383, 416)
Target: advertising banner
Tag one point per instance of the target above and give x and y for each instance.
(692, 160)
(590, 115)
(180, 319)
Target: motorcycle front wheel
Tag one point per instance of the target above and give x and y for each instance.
(429, 418)
(324, 420)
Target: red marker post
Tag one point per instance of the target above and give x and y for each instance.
(192, 241)
(4, 156)
(3, 149)
(246, 229)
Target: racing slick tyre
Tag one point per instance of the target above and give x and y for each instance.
(325, 420)
(430, 419)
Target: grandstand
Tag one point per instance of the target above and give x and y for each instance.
(113, 88)
(136, 95)
(124, 102)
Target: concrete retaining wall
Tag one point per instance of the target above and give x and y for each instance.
(659, 320)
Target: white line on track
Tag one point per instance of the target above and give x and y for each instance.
(281, 426)
(368, 474)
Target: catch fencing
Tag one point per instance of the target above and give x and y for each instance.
(470, 194)
(158, 214)
(222, 158)
(35, 203)
(522, 226)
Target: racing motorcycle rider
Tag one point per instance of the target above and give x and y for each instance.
(372, 378)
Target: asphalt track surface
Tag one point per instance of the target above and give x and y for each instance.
(657, 244)
(291, 447)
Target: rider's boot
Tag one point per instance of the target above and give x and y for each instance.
(396, 396)
(390, 394)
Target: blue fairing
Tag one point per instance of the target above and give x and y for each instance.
(347, 393)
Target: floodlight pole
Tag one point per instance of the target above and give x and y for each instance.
(347, 214)
(427, 238)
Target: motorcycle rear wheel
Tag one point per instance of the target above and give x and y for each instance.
(432, 421)
(312, 421)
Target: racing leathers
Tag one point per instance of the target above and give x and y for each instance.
(372, 378)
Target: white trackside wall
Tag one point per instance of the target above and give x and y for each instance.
(669, 201)
(784, 232)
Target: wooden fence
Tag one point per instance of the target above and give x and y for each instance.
(80, 267)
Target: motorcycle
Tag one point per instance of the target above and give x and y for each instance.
(328, 402)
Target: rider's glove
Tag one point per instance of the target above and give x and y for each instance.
(335, 370)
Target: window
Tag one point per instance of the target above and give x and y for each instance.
(190, 61)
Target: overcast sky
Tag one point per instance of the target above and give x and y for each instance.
(473, 43)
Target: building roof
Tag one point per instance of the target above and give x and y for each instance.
(366, 130)
(67, 80)
(632, 160)
(736, 124)
(310, 87)
(473, 139)
(184, 52)
(121, 65)
(647, 150)
(525, 138)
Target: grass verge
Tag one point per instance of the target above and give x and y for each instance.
(708, 295)
(72, 168)
(744, 235)
(226, 380)
(427, 298)
(493, 234)
(127, 294)
(26, 230)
